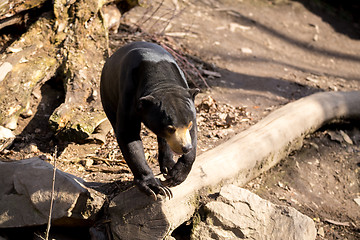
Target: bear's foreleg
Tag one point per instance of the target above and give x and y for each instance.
(133, 151)
(184, 164)
(165, 158)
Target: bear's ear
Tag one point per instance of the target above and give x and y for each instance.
(193, 92)
(144, 102)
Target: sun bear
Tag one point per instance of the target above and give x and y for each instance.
(141, 82)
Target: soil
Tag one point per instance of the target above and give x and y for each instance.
(267, 54)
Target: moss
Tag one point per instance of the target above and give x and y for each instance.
(74, 125)
(196, 219)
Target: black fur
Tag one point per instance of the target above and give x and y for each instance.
(141, 82)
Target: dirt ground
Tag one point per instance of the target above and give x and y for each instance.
(260, 55)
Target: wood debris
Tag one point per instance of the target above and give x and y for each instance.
(345, 224)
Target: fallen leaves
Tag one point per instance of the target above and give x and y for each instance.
(214, 116)
(218, 121)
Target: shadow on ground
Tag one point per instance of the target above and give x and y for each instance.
(338, 14)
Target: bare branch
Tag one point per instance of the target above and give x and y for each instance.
(52, 196)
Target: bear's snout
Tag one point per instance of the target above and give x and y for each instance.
(187, 148)
(180, 141)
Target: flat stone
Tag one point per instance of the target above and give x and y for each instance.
(25, 193)
(239, 214)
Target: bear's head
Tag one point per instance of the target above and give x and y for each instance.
(171, 115)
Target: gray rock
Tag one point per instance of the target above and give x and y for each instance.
(239, 214)
(25, 190)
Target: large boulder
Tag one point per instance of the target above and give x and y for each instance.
(239, 214)
(25, 193)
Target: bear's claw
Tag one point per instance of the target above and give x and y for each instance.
(152, 187)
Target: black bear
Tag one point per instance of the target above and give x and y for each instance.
(141, 82)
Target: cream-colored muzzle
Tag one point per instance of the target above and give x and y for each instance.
(180, 140)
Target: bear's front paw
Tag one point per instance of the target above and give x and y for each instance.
(177, 174)
(166, 166)
(152, 186)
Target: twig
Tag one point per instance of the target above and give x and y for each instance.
(52, 196)
(173, 13)
(152, 14)
(174, 16)
(162, 17)
(107, 161)
(186, 63)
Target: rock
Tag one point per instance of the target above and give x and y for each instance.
(340, 137)
(87, 162)
(246, 50)
(239, 214)
(25, 193)
(99, 135)
(27, 113)
(111, 16)
(5, 68)
(32, 148)
(321, 232)
(346, 137)
(6, 137)
(334, 136)
(357, 200)
(12, 123)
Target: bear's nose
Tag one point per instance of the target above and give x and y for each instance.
(187, 148)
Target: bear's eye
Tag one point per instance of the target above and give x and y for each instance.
(171, 129)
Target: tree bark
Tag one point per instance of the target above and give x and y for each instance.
(242, 158)
(85, 42)
(11, 11)
(70, 42)
(28, 62)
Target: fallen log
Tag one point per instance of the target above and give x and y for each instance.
(245, 156)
